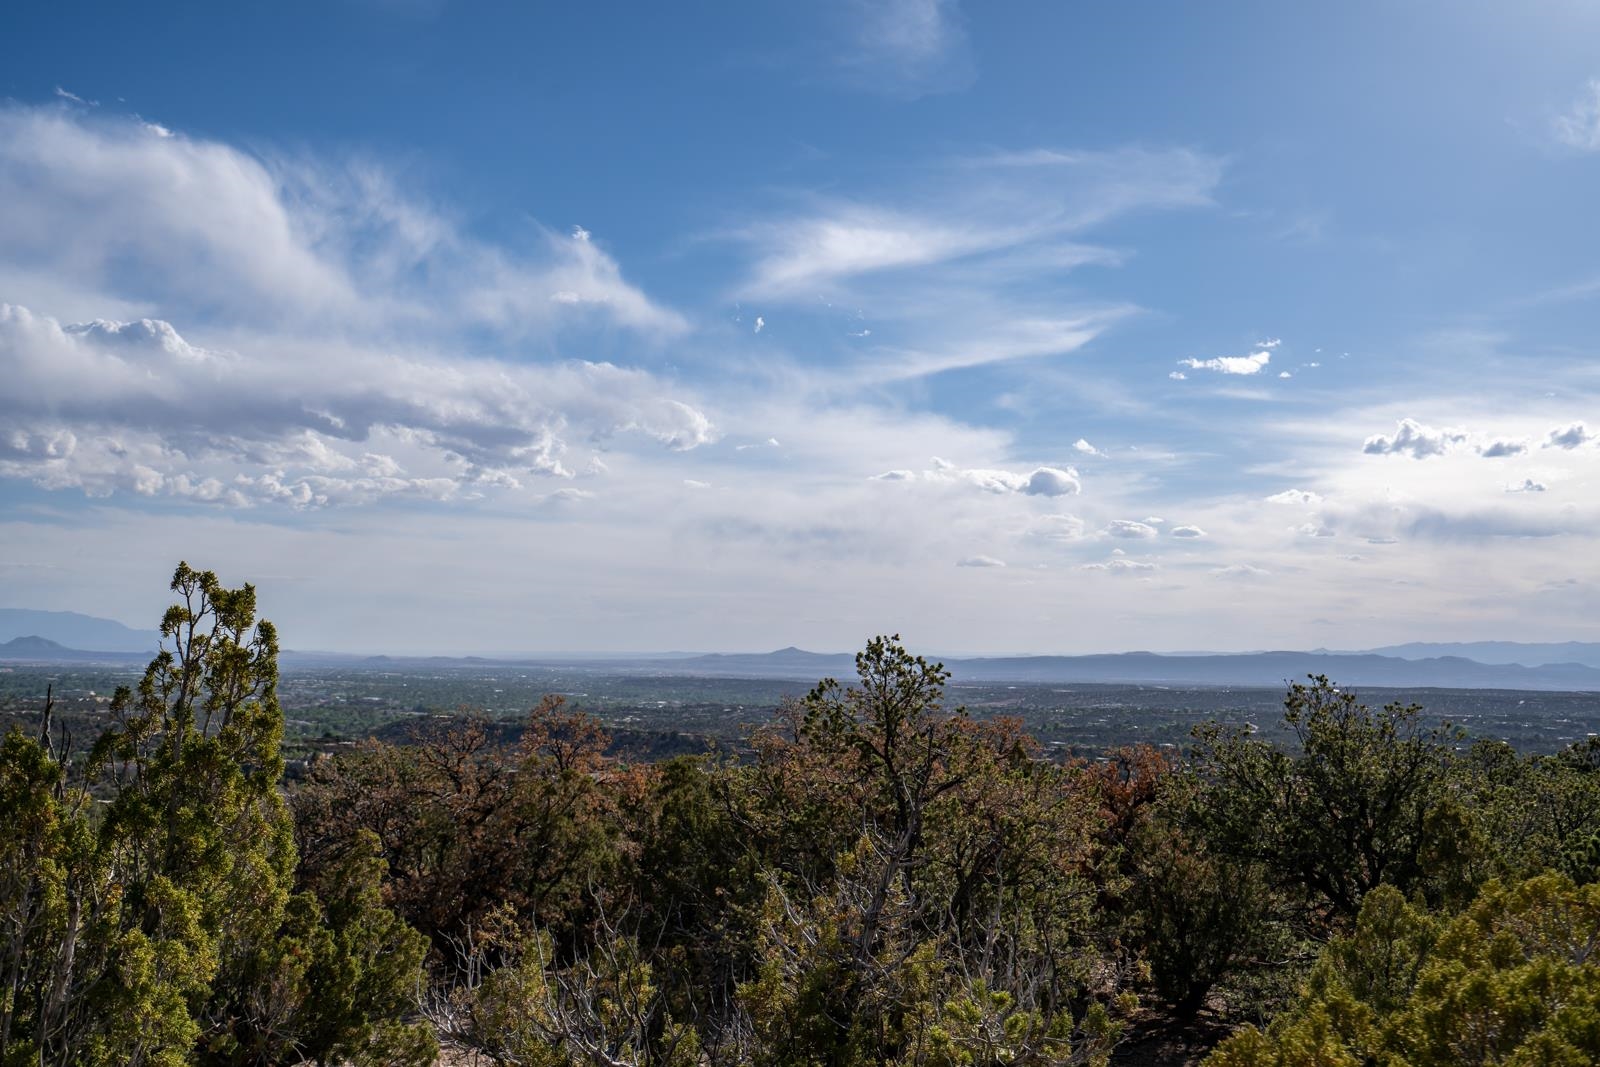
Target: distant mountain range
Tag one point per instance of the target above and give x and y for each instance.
(1269, 669)
(1250, 669)
(33, 649)
(1527, 654)
(73, 630)
(65, 637)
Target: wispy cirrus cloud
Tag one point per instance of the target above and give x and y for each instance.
(1579, 126)
(965, 268)
(804, 255)
(136, 214)
(1020, 205)
(904, 48)
(1004, 342)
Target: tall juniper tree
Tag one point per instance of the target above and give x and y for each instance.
(149, 908)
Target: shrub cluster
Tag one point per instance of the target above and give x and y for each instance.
(880, 880)
(148, 889)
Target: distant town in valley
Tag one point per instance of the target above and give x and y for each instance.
(1538, 697)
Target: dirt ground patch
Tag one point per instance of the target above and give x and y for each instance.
(1157, 1041)
(1151, 1042)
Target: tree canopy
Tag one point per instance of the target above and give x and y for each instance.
(877, 878)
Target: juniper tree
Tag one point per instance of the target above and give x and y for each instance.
(161, 926)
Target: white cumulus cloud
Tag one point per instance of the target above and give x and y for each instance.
(106, 406)
(1502, 447)
(1249, 364)
(1239, 572)
(1129, 529)
(1041, 481)
(1051, 481)
(1121, 565)
(1414, 439)
(1569, 437)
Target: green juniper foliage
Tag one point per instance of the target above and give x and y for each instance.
(150, 906)
(879, 880)
(1511, 980)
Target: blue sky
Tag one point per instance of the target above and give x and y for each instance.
(1015, 327)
